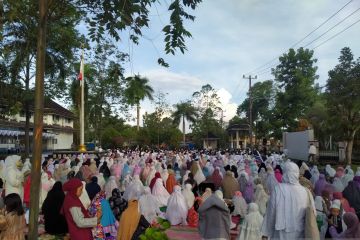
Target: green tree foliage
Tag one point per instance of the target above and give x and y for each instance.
(295, 76)
(105, 18)
(104, 90)
(343, 98)
(166, 134)
(184, 111)
(208, 121)
(138, 89)
(19, 43)
(262, 103)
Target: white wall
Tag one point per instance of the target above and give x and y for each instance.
(64, 140)
(297, 144)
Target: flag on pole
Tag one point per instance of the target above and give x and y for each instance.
(81, 74)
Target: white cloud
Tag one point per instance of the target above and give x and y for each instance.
(228, 107)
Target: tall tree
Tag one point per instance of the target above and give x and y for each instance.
(262, 103)
(295, 76)
(343, 98)
(137, 90)
(107, 18)
(207, 103)
(184, 111)
(19, 47)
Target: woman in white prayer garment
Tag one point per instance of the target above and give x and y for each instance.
(188, 195)
(261, 198)
(148, 205)
(285, 213)
(251, 227)
(160, 193)
(177, 208)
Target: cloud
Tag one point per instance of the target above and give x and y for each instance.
(228, 106)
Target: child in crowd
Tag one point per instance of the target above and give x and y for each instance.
(193, 216)
(12, 218)
(335, 218)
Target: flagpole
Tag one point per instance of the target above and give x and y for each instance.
(82, 147)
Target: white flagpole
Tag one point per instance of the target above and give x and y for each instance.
(82, 147)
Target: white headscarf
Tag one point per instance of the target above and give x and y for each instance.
(338, 185)
(261, 198)
(199, 175)
(110, 186)
(160, 193)
(329, 170)
(134, 190)
(251, 227)
(188, 195)
(349, 175)
(219, 194)
(240, 205)
(357, 171)
(148, 205)
(291, 173)
(315, 174)
(177, 209)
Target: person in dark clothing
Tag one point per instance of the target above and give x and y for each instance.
(193, 183)
(234, 170)
(117, 203)
(104, 169)
(55, 222)
(92, 188)
(352, 194)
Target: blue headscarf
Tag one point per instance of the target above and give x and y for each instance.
(107, 218)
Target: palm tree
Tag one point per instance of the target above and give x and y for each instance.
(184, 110)
(136, 91)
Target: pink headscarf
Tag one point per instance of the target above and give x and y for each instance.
(278, 175)
(238, 194)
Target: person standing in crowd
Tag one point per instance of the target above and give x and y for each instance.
(285, 214)
(312, 153)
(93, 188)
(77, 217)
(214, 219)
(55, 222)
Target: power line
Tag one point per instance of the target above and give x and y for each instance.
(323, 23)
(332, 27)
(266, 70)
(335, 35)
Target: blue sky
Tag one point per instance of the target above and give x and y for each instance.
(233, 37)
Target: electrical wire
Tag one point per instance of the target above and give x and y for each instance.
(260, 68)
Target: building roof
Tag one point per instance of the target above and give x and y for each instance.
(52, 107)
(210, 136)
(10, 124)
(238, 127)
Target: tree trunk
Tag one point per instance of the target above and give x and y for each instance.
(183, 128)
(138, 116)
(38, 122)
(349, 148)
(27, 110)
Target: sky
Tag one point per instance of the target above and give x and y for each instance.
(234, 37)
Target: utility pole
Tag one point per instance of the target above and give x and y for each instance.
(250, 108)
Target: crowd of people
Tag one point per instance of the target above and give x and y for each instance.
(121, 193)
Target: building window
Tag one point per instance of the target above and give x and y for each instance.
(68, 120)
(54, 141)
(22, 114)
(56, 118)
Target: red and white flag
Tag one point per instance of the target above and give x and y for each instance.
(81, 74)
